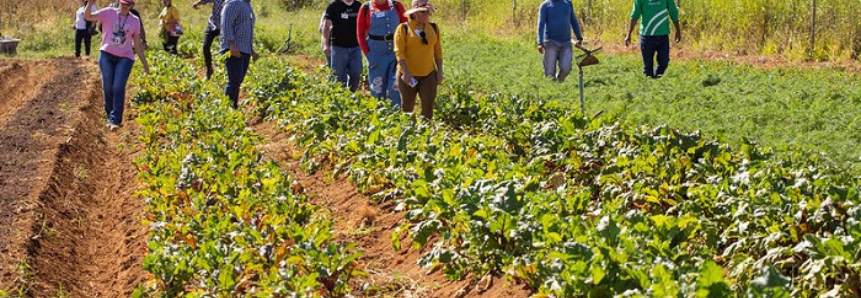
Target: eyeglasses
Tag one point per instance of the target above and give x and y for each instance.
(424, 37)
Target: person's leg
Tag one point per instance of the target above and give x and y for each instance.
(647, 49)
(427, 88)
(79, 37)
(340, 61)
(392, 82)
(566, 55)
(233, 67)
(376, 75)
(550, 54)
(107, 65)
(118, 88)
(208, 37)
(663, 49)
(174, 44)
(354, 68)
(408, 95)
(87, 41)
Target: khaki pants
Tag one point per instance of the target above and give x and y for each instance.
(426, 88)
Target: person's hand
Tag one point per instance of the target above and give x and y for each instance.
(678, 36)
(195, 4)
(146, 69)
(234, 51)
(579, 43)
(327, 50)
(407, 77)
(628, 40)
(439, 77)
(254, 55)
(541, 49)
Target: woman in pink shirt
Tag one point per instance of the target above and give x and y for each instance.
(120, 41)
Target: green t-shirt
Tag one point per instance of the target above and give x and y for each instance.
(655, 14)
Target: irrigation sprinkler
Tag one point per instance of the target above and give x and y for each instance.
(583, 60)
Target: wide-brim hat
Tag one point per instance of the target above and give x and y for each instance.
(420, 5)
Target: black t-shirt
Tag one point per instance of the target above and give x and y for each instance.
(343, 19)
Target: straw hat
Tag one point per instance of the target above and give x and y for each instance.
(420, 5)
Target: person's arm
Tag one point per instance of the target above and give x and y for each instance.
(327, 29)
(363, 21)
(400, 52)
(575, 25)
(635, 15)
(228, 32)
(401, 11)
(89, 15)
(174, 15)
(198, 3)
(542, 22)
(674, 16)
(139, 49)
(437, 54)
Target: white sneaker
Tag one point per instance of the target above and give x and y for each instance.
(113, 127)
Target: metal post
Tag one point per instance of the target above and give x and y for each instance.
(582, 105)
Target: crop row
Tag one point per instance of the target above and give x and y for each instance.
(580, 207)
(224, 222)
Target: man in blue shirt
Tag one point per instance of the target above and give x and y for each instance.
(556, 19)
(211, 31)
(237, 36)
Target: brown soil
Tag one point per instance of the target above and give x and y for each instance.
(394, 273)
(758, 61)
(69, 223)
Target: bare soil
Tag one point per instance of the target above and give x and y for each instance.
(69, 223)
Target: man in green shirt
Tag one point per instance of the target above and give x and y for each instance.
(654, 33)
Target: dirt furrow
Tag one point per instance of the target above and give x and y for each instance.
(78, 233)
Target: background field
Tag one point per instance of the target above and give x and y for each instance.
(736, 26)
(800, 111)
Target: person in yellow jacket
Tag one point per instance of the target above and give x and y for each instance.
(418, 51)
(170, 28)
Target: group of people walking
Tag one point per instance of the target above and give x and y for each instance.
(402, 46)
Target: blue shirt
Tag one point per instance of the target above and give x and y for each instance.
(215, 15)
(237, 25)
(556, 18)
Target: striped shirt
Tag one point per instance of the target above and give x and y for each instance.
(215, 15)
(237, 25)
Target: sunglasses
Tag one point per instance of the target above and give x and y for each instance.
(424, 37)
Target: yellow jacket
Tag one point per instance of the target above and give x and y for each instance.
(420, 57)
(168, 15)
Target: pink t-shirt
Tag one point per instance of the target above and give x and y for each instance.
(118, 32)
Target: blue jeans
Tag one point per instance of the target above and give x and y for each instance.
(347, 65)
(651, 45)
(115, 75)
(236, 70)
(382, 71)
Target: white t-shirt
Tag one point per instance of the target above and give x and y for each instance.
(80, 23)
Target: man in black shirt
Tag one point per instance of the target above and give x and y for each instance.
(339, 41)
